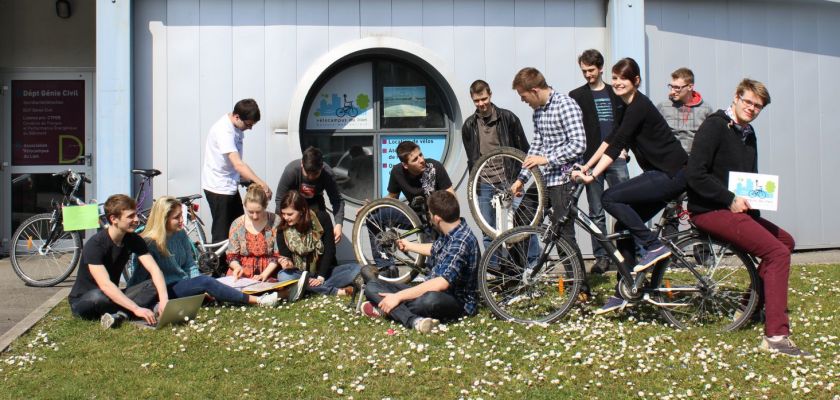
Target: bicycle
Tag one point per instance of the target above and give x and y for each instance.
(347, 110)
(705, 282)
(490, 180)
(206, 254)
(42, 253)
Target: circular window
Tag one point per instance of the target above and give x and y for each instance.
(360, 110)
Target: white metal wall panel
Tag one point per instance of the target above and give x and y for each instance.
(790, 46)
(199, 57)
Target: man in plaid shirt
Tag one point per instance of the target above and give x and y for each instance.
(559, 142)
(449, 292)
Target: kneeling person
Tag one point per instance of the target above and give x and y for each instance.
(450, 291)
(96, 293)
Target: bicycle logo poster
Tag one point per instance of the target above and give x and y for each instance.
(761, 190)
(344, 102)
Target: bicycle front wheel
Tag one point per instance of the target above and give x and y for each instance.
(518, 287)
(378, 227)
(493, 206)
(707, 283)
(42, 253)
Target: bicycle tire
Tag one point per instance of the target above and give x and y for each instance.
(43, 270)
(340, 112)
(407, 266)
(353, 112)
(501, 284)
(486, 172)
(733, 278)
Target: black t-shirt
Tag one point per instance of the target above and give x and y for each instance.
(432, 179)
(604, 109)
(101, 250)
(313, 192)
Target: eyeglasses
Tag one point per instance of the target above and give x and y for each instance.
(750, 103)
(677, 88)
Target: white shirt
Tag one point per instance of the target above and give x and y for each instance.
(218, 174)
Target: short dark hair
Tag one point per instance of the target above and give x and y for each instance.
(313, 160)
(444, 204)
(479, 86)
(116, 204)
(405, 148)
(628, 69)
(592, 57)
(247, 110)
(683, 73)
(529, 78)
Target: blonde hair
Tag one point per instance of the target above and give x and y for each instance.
(155, 231)
(256, 194)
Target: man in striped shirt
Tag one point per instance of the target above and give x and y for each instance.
(559, 142)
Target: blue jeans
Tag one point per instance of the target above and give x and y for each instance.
(616, 173)
(485, 193)
(342, 276)
(440, 305)
(636, 201)
(206, 284)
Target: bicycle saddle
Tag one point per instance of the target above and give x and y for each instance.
(146, 172)
(184, 199)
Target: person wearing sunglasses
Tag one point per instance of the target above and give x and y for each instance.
(685, 109)
(726, 142)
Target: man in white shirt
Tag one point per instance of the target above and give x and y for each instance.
(223, 166)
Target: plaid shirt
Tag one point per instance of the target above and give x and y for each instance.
(558, 136)
(455, 258)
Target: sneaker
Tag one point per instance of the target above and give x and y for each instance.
(267, 300)
(370, 310)
(613, 303)
(425, 325)
(296, 291)
(112, 321)
(783, 346)
(601, 265)
(651, 258)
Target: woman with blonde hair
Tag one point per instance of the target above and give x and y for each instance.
(172, 250)
(252, 252)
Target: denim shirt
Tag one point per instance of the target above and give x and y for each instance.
(455, 258)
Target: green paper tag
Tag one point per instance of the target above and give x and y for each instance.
(79, 218)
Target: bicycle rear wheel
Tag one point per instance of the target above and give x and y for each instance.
(377, 228)
(512, 290)
(724, 293)
(41, 257)
(489, 191)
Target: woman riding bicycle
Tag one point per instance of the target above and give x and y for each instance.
(172, 250)
(642, 129)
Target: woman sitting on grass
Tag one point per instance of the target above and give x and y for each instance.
(301, 249)
(172, 250)
(252, 252)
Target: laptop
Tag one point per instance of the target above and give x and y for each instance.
(175, 311)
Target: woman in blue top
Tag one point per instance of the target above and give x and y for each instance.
(172, 250)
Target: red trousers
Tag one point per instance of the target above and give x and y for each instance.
(761, 238)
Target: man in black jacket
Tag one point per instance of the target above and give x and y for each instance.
(601, 108)
(489, 128)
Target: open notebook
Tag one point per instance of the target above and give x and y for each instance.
(252, 286)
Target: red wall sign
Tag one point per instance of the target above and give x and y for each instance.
(48, 122)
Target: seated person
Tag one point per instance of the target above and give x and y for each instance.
(450, 291)
(252, 250)
(726, 142)
(171, 248)
(95, 293)
(301, 251)
(414, 176)
(310, 177)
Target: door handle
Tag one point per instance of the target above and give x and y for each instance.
(89, 158)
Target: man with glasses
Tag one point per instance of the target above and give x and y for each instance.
(223, 166)
(726, 142)
(684, 110)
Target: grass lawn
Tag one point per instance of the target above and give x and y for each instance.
(317, 348)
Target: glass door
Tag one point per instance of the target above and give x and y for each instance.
(47, 127)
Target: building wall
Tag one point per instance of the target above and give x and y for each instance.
(33, 36)
(194, 59)
(792, 47)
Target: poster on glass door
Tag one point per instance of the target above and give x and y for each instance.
(48, 122)
(344, 102)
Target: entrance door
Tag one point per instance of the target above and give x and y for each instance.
(46, 127)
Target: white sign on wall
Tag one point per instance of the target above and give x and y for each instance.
(344, 102)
